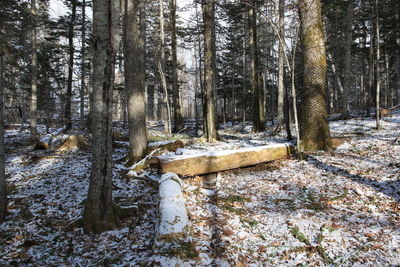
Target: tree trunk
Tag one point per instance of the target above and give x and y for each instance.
(34, 96)
(315, 134)
(161, 68)
(3, 196)
(68, 103)
(99, 213)
(83, 67)
(178, 119)
(258, 99)
(244, 61)
(347, 58)
(281, 85)
(210, 115)
(134, 52)
(378, 78)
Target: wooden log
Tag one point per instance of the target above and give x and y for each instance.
(215, 161)
(45, 142)
(170, 145)
(173, 226)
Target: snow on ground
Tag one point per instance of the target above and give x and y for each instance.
(339, 208)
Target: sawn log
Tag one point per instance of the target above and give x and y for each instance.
(215, 161)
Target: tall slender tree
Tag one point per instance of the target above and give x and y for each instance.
(3, 196)
(166, 112)
(314, 131)
(71, 50)
(281, 85)
(258, 96)
(178, 118)
(34, 71)
(210, 116)
(83, 66)
(99, 212)
(134, 52)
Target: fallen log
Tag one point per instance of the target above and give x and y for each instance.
(173, 226)
(384, 112)
(45, 142)
(215, 161)
(170, 145)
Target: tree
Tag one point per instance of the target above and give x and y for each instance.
(34, 93)
(83, 67)
(314, 127)
(178, 119)
(258, 97)
(68, 103)
(210, 116)
(134, 52)
(281, 81)
(99, 212)
(3, 196)
(161, 69)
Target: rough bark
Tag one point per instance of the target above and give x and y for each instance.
(134, 52)
(83, 67)
(99, 213)
(210, 116)
(3, 196)
(215, 161)
(68, 103)
(178, 119)
(34, 96)
(314, 127)
(258, 99)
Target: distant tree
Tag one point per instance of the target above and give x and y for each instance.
(258, 97)
(178, 119)
(99, 212)
(71, 52)
(314, 127)
(34, 78)
(210, 115)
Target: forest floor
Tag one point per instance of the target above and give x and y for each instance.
(339, 208)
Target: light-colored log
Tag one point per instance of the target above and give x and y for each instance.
(215, 161)
(45, 142)
(173, 227)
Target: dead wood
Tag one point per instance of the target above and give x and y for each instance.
(211, 162)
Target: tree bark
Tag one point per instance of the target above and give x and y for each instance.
(378, 78)
(3, 196)
(258, 99)
(210, 115)
(134, 52)
(347, 58)
(68, 103)
(281, 85)
(314, 131)
(178, 119)
(83, 67)
(34, 96)
(161, 68)
(99, 213)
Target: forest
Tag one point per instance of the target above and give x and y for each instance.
(199, 133)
